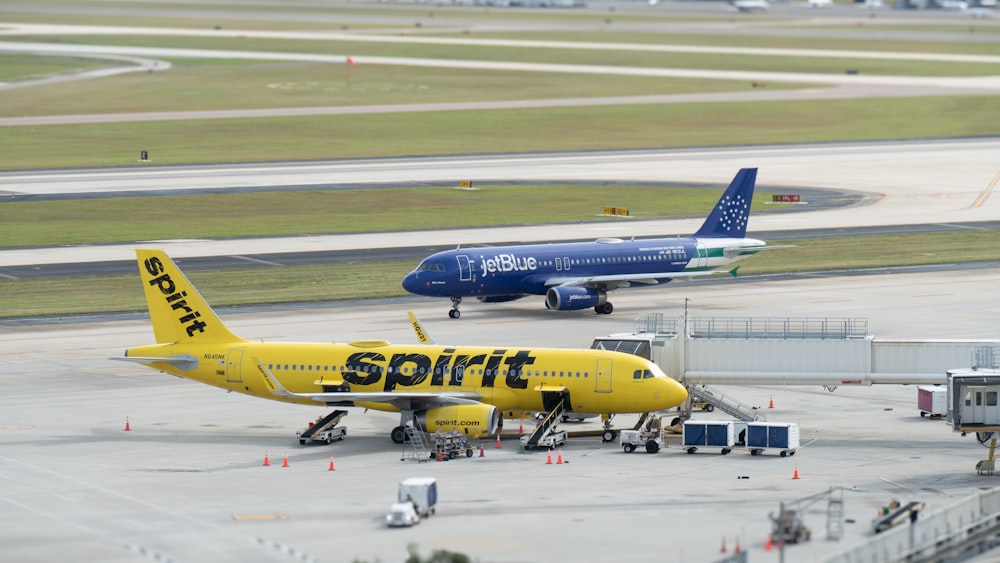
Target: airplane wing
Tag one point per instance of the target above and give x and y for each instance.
(626, 280)
(401, 400)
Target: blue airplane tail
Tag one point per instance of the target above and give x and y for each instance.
(729, 217)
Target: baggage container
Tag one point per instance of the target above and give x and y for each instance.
(932, 401)
(782, 437)
(710, 433)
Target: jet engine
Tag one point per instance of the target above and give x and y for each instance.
(472, 420)
(572, 298)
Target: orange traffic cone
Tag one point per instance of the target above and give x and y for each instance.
(285, 462)
(548, 458)
(440, 455)
(127, 425)
(266, 460)
(498, 442)
(796, 474)
(331, 464)
(520, 428)
(559, 459)
(482, 451)
(771, 404)
(723, 548)
(769, 544)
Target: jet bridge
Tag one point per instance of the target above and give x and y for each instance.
(791, 351)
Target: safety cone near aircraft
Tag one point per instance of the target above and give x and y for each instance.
(447, 388)
(267, 460)
(128, 427)
(332, 468)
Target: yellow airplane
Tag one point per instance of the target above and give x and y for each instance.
(445, 388)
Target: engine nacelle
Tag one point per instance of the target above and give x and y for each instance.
(572, 298)
(476, 421)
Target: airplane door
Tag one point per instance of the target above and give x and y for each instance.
(464, 268)
(603, 382)
(701, 256)
(234, 366)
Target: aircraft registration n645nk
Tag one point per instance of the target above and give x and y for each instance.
(579, 275)
(463, 388)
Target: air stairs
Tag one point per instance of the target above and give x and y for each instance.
(416, 447)
(323, 424)
(547, 426)
(726, 404)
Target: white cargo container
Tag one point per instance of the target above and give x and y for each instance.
(422, 492)
(932, 401)
(782, 437)
(709, 433)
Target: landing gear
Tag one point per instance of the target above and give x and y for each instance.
(609, 434)
(454, 312)
(604, 309)
(399, 434)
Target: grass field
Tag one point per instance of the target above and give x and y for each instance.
(227, 83)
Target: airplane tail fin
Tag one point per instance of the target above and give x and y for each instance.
(729, 217)
(178, 312)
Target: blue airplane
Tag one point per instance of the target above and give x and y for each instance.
(579, 275)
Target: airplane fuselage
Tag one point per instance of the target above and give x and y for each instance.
(596, 381)
(532, 269)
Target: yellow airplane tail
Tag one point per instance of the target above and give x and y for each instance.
(178, 312)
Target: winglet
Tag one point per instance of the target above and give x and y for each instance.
(734, 271)
(418, 328)
(728, 218)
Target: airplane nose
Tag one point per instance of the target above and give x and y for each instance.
(672, 392)
(410, 282)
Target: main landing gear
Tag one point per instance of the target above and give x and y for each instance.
(454, 312)
(604, 308)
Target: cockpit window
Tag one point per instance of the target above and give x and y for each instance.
(430, 267)
(642, 374)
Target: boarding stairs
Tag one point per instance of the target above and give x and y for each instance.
(726, 404)
(547, 425)
(325, 423)
(416, 447)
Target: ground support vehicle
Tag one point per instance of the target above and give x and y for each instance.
(782, 437)
(652, 440)
(449, 445)
(932, 401)
(402, 514)
(710, 433)
(325, 429)
(554, 439)
(421, 492)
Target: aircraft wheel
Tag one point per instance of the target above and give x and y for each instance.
(398, 434)
(454, 313)
(609, 436)
(608, 308)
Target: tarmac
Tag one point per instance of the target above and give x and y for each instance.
(104, 460)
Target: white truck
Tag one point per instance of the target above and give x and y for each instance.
(555, 439)
(649, 439)
(421, 492)
(328, 435)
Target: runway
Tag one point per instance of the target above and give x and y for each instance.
(186, 482)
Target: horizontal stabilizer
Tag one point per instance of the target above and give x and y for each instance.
(182, 361)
